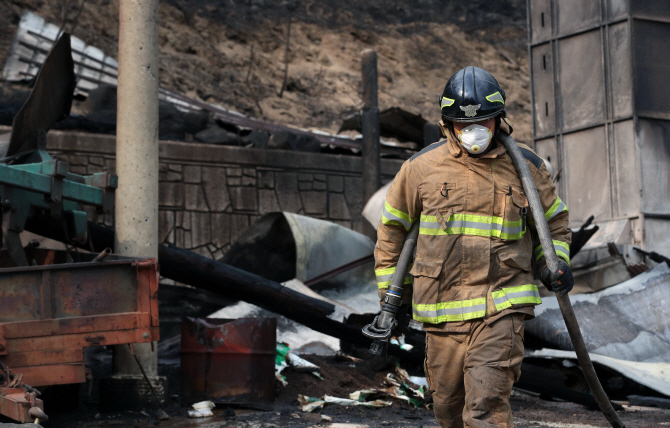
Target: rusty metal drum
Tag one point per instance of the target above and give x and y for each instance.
(228, 361)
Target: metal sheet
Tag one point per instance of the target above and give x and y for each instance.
(56, 374)
(374, 206)
(229, 360)
(656, 235)
(620, 70)
(650, 8)
(617, 231)
(651, 68)
(627, 176)
(547, 150)
(651, 375)
(322, 246)
(653, 136)
(74, 295)
(540, 17)
(49, 101)
(574, 15)
(543, 90)
(587, 175)
(283, 246)
(38, 358)
(617, 8)
(19, 297)
(627, 321)
(582, 80)
(80, 291)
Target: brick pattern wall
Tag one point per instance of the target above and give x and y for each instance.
(209, 195)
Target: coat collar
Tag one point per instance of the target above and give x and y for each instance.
(457, 150)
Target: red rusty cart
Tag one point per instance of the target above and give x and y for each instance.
(49, 314)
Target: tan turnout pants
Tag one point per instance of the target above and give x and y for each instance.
(472, 373)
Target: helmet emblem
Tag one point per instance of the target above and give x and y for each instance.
(471, 111)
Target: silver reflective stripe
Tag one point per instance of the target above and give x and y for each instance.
(384, 278)
(561, 207)
(450, 311)
(526, 293)
(473, 225)
(394, 217)
(429, 225)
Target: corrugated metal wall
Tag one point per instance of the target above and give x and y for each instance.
(600, 78)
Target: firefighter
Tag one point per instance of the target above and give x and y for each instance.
(473, 283)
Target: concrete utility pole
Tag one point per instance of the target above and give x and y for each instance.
(371, 131)
(136, 213)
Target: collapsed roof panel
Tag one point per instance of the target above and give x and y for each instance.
(627, 321)
(651, 375)
(33, 41)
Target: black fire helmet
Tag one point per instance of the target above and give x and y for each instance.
(471, 95)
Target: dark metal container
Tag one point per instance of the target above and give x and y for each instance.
(228, 361)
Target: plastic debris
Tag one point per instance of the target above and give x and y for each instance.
(362, 394)
(350, 402)
(401, 387)
(400, 341)
(280, 362)
(309, 404)
(302, 365)
(342, 356)
(203, 409)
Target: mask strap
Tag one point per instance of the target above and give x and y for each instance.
(508, 125)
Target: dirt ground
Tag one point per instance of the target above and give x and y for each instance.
(232, 52)
(340, 378)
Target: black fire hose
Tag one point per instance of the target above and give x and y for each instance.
(380, 329)
(552, 263)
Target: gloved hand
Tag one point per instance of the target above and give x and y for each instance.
(403, 317)
(563, 284)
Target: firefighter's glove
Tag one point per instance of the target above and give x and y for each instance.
(561, 285)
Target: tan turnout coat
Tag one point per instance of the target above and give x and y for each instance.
(476, 238)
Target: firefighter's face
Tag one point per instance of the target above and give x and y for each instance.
(488, 123)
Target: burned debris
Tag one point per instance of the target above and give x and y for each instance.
(266, 269)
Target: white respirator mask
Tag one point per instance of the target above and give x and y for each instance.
(475, 138)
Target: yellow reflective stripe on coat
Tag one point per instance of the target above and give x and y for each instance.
(474, 225)
(385, 276)
(519, 295)
(460, 310)
(562, 250)
(392, 215)
(555, 209)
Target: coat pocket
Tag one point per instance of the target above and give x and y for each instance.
(515, 215)
(430, 268)
(515, 257)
